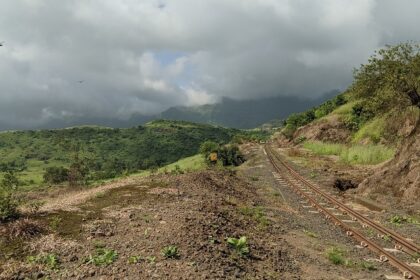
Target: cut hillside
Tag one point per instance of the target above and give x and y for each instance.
(374, 123)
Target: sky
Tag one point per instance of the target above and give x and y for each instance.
(93, 59)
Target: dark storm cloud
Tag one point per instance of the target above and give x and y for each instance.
(140, 57)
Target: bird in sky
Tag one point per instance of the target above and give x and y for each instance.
(81, 81)
(1, 44)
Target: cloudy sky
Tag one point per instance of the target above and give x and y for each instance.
(110, 59)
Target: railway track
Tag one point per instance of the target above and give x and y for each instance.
(328, 205)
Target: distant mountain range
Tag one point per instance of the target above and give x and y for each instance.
(244, 113)
(228, 112)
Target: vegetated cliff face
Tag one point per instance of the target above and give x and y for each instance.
(399, 179)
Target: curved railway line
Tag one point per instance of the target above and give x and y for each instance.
(328, 205)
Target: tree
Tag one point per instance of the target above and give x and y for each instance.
(393, 67)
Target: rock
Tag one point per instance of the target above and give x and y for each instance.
(344, 184)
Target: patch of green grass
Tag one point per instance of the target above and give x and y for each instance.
(353, 154)
(256, 213)
(102, 257)
(240, 245)
(310, 233)
(398, 220)
(321, 148)
(170, 252)
(55, 222)
(335, 255)
(373, 131)
(49, 260)
(345, 109)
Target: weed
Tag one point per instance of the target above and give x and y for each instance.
(398, 220)
(170, 252)
(134, 259)
(257, 213)
(49, 260)
(55, 222)
(387, 237)
(102, 257)
(310, 233)
(367, 265)
(335, 255)
(240, 245)
(313, 175)
(151, 259)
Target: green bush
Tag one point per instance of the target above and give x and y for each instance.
(9, 202)
(56, 175)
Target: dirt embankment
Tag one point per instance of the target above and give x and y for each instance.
(195, 212)
(328, 129)
(398, 181)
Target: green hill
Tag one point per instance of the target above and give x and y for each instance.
(105, 152)
(380, 107)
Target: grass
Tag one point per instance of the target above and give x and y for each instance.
(256, 213)
(310, 233)
(373, 131)
(192, 163)
(335, 255)
(352, 154)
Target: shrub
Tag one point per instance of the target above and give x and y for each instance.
(56, 175)
(24, 228)
(8, 200)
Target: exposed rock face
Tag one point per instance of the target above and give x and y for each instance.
(400, 178)
(329, 129)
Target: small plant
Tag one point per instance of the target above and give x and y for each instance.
(170, 252)
(134, 259)
(310, 233)
(103, 257)
(335, 255)
(240, 245)
(50, 260)
(151, 259)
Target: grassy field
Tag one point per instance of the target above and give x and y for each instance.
(192, 163)
(352, 154)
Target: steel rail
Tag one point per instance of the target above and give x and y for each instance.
(406, 245)
(408, 272)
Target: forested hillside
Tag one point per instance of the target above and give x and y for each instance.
(104, 152)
